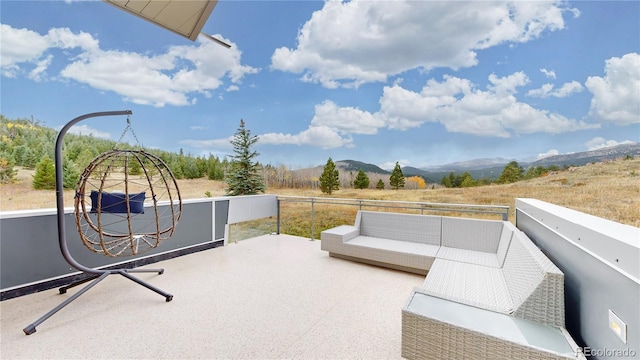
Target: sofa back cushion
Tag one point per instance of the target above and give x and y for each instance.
(522, 271)
(508, 230)
(471, 234)
(423, 229)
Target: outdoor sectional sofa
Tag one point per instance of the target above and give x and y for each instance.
(483, 265)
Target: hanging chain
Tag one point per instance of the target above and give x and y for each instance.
(129, 128)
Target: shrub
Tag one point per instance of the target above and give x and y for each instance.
(45, 177)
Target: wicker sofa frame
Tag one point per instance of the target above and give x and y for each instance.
(489, 264)
(438, 329)
(485, 264)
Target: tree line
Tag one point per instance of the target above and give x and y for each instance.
(511, 173)
(28, 144)
(329, 180)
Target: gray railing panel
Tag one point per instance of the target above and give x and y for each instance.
(593, 285)
(30, 251)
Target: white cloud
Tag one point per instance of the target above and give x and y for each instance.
(87, 130)
(507, 85)
(19, 45)
(461, 107)
(197, 127)
(548, 73)
(568, 88)
(552, 152)
(548, 90)
(329, 128)
(345, 120)
(615, 96)
(40, 70)
(318, 136)
(455, 103)
(141, 79)
(173, 77)
(64, 38)
(541, 92)
(351, 43)
(209, 144)
(600, 143)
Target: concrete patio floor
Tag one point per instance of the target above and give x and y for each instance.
(273, 296)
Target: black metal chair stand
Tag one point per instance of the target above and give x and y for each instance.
(96, 275)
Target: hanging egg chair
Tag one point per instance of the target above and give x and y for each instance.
(134, 201)
(127, 202)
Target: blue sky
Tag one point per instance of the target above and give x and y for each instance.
(419, 82)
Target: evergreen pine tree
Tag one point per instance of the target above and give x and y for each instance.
(243, 177)
(453, 180)
(45, 176)
(70, 174)
(380, 185)
(397, 178)
(135, 168)
(190, 168)
(214, 171)
(511, 173)
(7, 172)
(446, 181)
(361, 181)
(330, 179)
(467, 180)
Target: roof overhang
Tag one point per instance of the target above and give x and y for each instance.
(183, 17)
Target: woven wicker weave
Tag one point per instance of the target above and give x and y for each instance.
(425, 337)
(470, 284)
(488, 265)
(423, 229)
(403, 241)
(469, 256)
(471, 234)
(528, 286)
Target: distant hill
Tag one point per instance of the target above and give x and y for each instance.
(469, 165)
(428, 176)
(436, 176)
(487, 168)
(491, 168)
(586, 157)
(355, 166)
(408, 171)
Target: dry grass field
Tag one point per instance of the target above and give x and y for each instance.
(610, 190)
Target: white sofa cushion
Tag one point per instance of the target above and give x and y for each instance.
(395, 245)
(469, 256)
(471, 284)
(403, 227)
(471, 234)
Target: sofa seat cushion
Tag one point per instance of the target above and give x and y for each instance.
(471, 284)
(395, 245)
(469, 256)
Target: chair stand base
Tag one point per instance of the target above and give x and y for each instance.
(95, 279)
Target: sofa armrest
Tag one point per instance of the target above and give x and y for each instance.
(442, 329)
(344, 232)
(333, 240)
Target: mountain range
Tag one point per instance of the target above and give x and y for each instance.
(492, 167)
